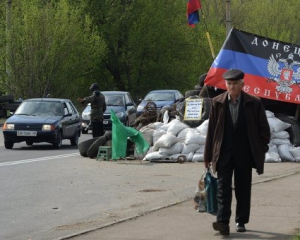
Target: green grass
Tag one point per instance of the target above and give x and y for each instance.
(297, 237)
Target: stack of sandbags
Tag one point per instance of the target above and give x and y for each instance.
(279, 146)
(176, 139)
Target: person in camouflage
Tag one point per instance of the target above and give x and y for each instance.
(98, 107)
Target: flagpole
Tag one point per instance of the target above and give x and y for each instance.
(208, 37)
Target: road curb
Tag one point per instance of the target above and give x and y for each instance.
(163, 207)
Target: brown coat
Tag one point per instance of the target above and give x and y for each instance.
(257, 127)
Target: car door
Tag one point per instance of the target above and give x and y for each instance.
(74, 119)
(66, 121)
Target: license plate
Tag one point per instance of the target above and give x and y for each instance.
(105, 122)
(27, 133)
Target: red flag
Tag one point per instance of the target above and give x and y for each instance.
(193, 7)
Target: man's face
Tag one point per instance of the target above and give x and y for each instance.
(234, 88)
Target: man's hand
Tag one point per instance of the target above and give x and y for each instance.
(80, 100)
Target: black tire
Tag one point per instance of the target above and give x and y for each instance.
(29, 143)
(93, 149)
(6, 98)
(190, 93)
(204, 116)
(8, 144)
(74, 140)
(58, 142)
(108, 135)
(293, 130)
(85, 145)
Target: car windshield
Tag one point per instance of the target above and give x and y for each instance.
(160, 96)
(114, 100)
(44, 108)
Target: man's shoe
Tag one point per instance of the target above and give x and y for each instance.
(221, 227)
(240, 227)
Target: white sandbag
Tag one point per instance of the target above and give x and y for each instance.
(284, 153)
(165, 126)
(157, 134)
(203, 127)
(272, 157)
(279, 141)
(189, 148)
(295, 151)
(281, 134)
(153, 156)
(269, 114)
(155, 125)
(175, 148)
(189, 157)
(273, 148)
(165, 141)
(194, 136)
(176, 126)
(166, 117)
(200, 149)
(277, 125)
(182, 134)
(198, 157)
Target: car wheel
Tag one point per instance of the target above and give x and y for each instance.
(58, 142)
(8, 144)
(29, 143)
(83, 131)
(74, 140)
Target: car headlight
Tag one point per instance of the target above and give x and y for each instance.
(8, 126)
(48, 127)
(120, 114)
(140, 108)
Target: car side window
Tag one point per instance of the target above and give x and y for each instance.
(70, 110)
(73, 108)
(66, 110)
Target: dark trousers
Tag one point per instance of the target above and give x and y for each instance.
(97, 129)
(242, 187)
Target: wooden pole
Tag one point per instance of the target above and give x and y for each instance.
(228, 17)
(208, 37)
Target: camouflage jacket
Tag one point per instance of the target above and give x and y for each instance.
(98, 106)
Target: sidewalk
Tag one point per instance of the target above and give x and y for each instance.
(275, 214)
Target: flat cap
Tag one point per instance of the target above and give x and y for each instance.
(233, 74)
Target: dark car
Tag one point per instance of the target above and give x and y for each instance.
(122, 104)
(161, 98)
(43, 120)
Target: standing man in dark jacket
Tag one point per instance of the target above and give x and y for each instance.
(236, 141)
(98, 107)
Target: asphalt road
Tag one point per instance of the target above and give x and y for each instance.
(49, 194)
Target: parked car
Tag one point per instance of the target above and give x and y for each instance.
(123, 105)
(43, 120)
(161, 98)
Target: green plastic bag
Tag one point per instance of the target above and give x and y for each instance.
(120, 134)
(211, 188)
